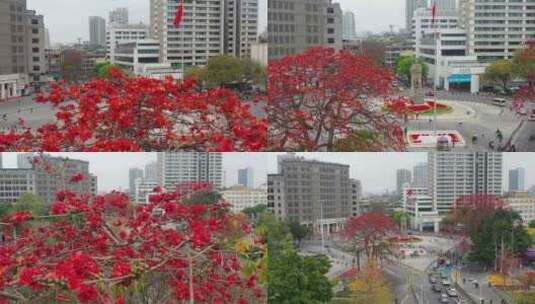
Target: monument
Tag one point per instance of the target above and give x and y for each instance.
(416, 83)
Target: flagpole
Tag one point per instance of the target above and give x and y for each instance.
(435, 32)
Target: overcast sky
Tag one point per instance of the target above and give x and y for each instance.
(376, 15)
(377, 171)
(68, 20)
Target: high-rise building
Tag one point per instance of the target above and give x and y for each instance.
(246, 177)
(419, 175)
(454, 174)
(314, 193)
(97, 31)
(56, 175)
(296, 25)
(14, 183)
(119, 16)
(444, 5)
(24, 160)
(410, 7)
(151, 172)
(117, 33)
(356, 197)
(241, 26)
(208, 29)
(516, 179)
(403, 176)
(497, 29)
(350, 29)
(176, 168)
(22, 51)
(133, 174)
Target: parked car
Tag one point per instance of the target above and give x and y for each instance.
(444, 298)
(437, 288)
(432, 280)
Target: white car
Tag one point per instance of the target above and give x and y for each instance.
(446, 282)
(452, 292)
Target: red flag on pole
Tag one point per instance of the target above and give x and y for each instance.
(434, 13)
(179, 13)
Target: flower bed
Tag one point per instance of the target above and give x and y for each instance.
(409, 107)
(428, 139)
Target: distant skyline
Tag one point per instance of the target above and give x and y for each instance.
(60, 15)
(376, 171)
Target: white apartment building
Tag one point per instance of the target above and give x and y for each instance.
(422, 22)
(410, 191)
(208, 29)
(240, 197)
(131, 55)
(118, 33)
(497, 29)
(176, 168)
(350, 28)
(241, 26)
(119, 15)
(423, 216)
(522, 202)
(453, 174)
(259, 52)
(15, 182)
(142, 188)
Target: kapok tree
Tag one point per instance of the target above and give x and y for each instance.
(123, 113)
(524, 61)
(372, 234)
(101, 250)
(325, 100)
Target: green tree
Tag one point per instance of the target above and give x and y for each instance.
(404, 64)
(499, 232)
(401, 219)
(255, 212)
(207, 197)
(102, 69)
(223, 70)
(501, 71)
(298, 231)
(291, 278)
(254, 72)
(30, 202)
(196, 72)
(4, 209)
(532, 224)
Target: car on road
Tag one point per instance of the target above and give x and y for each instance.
(452, 292)
(432, 280)
(437, 288)
(444, 298)
(446, 283)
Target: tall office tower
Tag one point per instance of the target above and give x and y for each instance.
(444, 5)
(208, 29)
(497, 29)
(419, 176)
(453, 174)
(516, 179)
(350, 29)
(13, 48)
(97, 31)
(246, 177)
(295, 25)
(175, 168)
(311, 192)
(356, 196)
(24, 160)
(151, 172)
(241, 24)
(410, 7)
(117, 33)
(119, 15)
(50, 181)
(133, 174)
(35, 41)
(403, 176)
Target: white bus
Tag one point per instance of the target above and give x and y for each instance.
(500, 102)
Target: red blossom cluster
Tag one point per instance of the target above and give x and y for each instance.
(322, 97)
(524, 99)
(470, 210)
(102, 249)
(122, 113)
